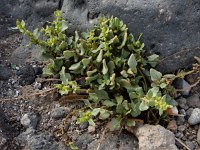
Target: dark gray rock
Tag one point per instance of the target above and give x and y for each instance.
(30, 120)
(39, 141)
(193, 101)
(164, 25)
(182, 103)
(35, 13)
(59, 112)
(7, 133)
(84, 125)
(5, 73)
(27, 75)
(31, 11)
(190, 145)
(194, 117)
(183, 85)
(189, 112)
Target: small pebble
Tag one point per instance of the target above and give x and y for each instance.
(84, 125)
(172, 126)
(182, 102)
(91, 129)
(198, 136)
(193, 101)
(190, 145)
(181, 128)
(194, 117)
(59, 112)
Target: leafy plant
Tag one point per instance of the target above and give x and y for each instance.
(108, 64)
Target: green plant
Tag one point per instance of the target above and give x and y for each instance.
(108, 64)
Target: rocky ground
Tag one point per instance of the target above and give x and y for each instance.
(32, 119)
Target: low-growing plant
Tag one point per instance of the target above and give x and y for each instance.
(109, 65)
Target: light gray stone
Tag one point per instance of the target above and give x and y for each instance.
(194, 117)
(114, 142)
(30, 120)
(155, 138)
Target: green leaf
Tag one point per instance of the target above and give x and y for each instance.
(163, 85)
(102, 95)
(36, 33)
(124, 40)
(135, 111)
(105, 68)
(62, 45)
(68, 54)
(100, 56)
(119, 99)
(143, 106)
(91, 122)
(93, 97)
(130, 123)
(65, 77)
(115, 124)
(114, 40)
(75, 66)
(108, 103)
(125, 83)
(104, 114)
(132, 63)
(84, 35)
(111, 67)
(155, 75)
(73, 146)
(95, 111)
(64, 26)
(124, 74)
(90, 73)
(86, 61)
(90, 79)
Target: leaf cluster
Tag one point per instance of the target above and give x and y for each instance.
(107, 62)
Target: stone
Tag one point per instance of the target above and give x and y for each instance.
(190, 145)
(30, 120)
(189, 112)
(155, 137)
(162, 23)
(26, 74)
(172, 126)
(5, 73)
(59, 112)
(182, 103)
(124, 141)
(7, 133)
(181, 128)
(198, 136)
(180, 120)
(36, 140)
(84, 125)
(183, 85)
(194, 117)
(193, 101)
